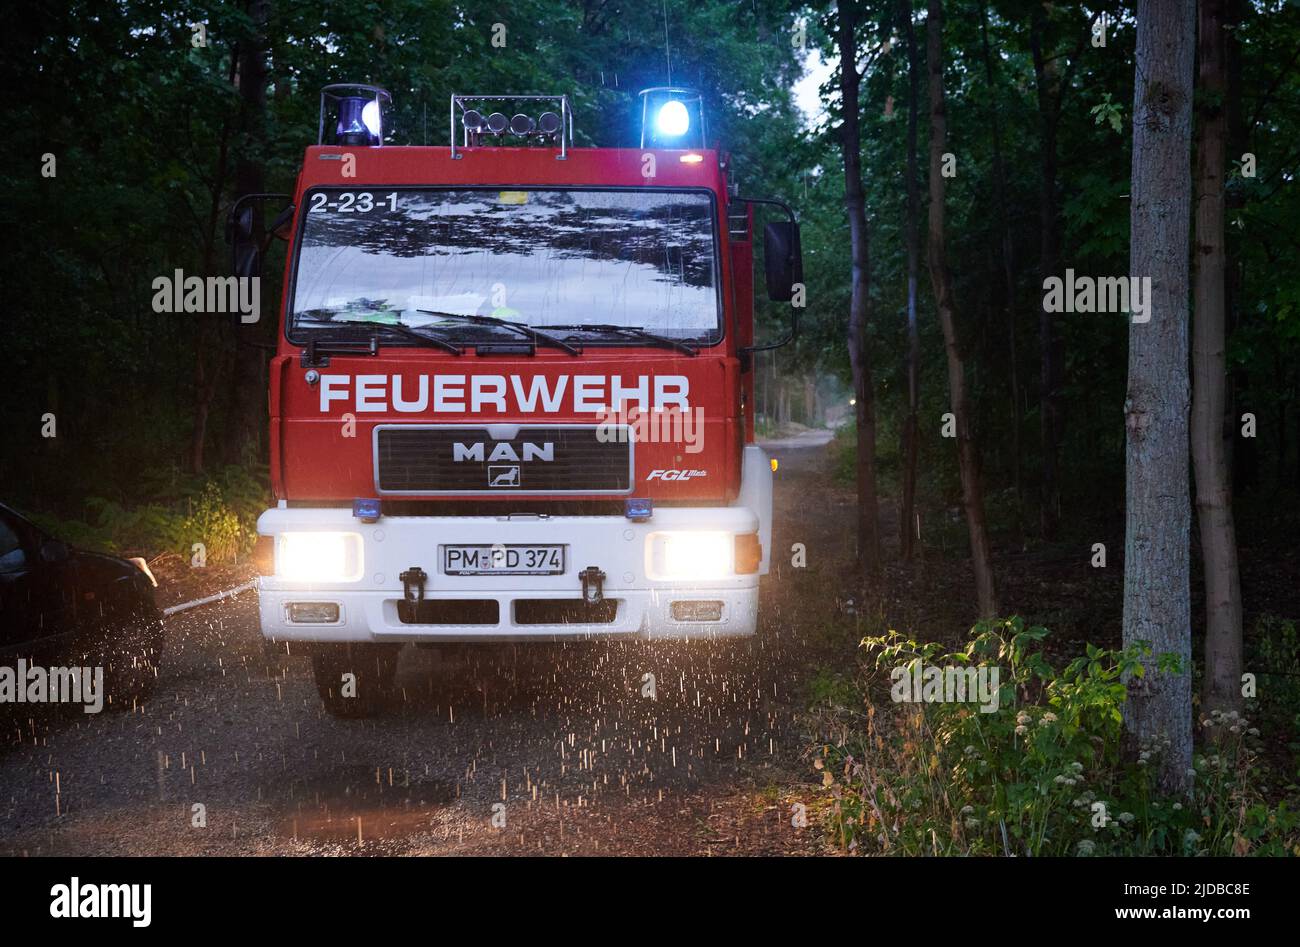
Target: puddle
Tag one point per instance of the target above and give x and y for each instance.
(364, 803)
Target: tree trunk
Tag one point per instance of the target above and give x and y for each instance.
(1156, 567)
(249, 409)
(1051, 346)
(967, 450)
(1009, 275)
(1243, 453)
(1223, 657)
(206, 364)
(907, 510)
(869, 559)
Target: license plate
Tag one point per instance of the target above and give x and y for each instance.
(503, 560)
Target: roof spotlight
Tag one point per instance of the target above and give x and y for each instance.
(522, 124)
(548, 123)
(496, 123)
(473, 120)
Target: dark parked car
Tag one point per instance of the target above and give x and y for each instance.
(61, 606)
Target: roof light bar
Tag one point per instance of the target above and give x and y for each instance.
(547, 125)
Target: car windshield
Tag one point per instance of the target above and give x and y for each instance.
(424, 257)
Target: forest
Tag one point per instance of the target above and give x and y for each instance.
(1051, 314)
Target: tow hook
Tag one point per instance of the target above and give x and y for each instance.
(593, 585)
(414, 576)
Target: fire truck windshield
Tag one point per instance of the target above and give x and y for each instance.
(634, 258)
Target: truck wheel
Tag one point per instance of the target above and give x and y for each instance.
(354, 679)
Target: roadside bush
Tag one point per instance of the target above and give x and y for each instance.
(1043, 773)
(220, 512)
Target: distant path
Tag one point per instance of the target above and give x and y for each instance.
(817, 438)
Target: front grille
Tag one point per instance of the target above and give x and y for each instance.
(449, 611)
(538, 459)
(564, 611)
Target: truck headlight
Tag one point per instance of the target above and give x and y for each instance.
(319, 557)
(691, 555)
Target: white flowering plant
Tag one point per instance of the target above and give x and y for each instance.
(1041, 774)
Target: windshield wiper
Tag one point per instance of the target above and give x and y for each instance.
(635, 332)
(418, 336)
(529, 331)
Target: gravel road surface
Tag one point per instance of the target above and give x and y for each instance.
(514, 750)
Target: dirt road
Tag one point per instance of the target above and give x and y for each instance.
(517, 751)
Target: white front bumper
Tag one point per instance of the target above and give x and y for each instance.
(613, 544)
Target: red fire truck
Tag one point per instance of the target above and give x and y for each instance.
(512, 399)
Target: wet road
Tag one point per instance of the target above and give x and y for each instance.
(560, 749)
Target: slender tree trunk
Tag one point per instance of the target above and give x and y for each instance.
(907, 510)
(1009, 275)
(206, 364)
(1223, 657)
(1280, 385)
(249, 409)
(869, 558)
(1243, 453)
(1050, 344)
(967, 450)
(1158, 713)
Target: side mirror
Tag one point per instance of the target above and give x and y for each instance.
(782, 265)
(782, 259)
(245, 253)
(244, 231)
(53, 551)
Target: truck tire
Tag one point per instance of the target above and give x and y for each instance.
(372, 668)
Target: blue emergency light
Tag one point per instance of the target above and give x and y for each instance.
(359, 118)
(638, 509)
(672, 118)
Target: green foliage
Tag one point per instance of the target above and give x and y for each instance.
(220, 512)
(1275, 644)
(831, 688)
(212, 522)
(1043, 773)
(1110, 112)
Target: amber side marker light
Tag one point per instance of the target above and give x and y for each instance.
(691, 159)
(749, 553)
(264, 555)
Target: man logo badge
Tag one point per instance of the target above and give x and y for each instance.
(503, 476)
